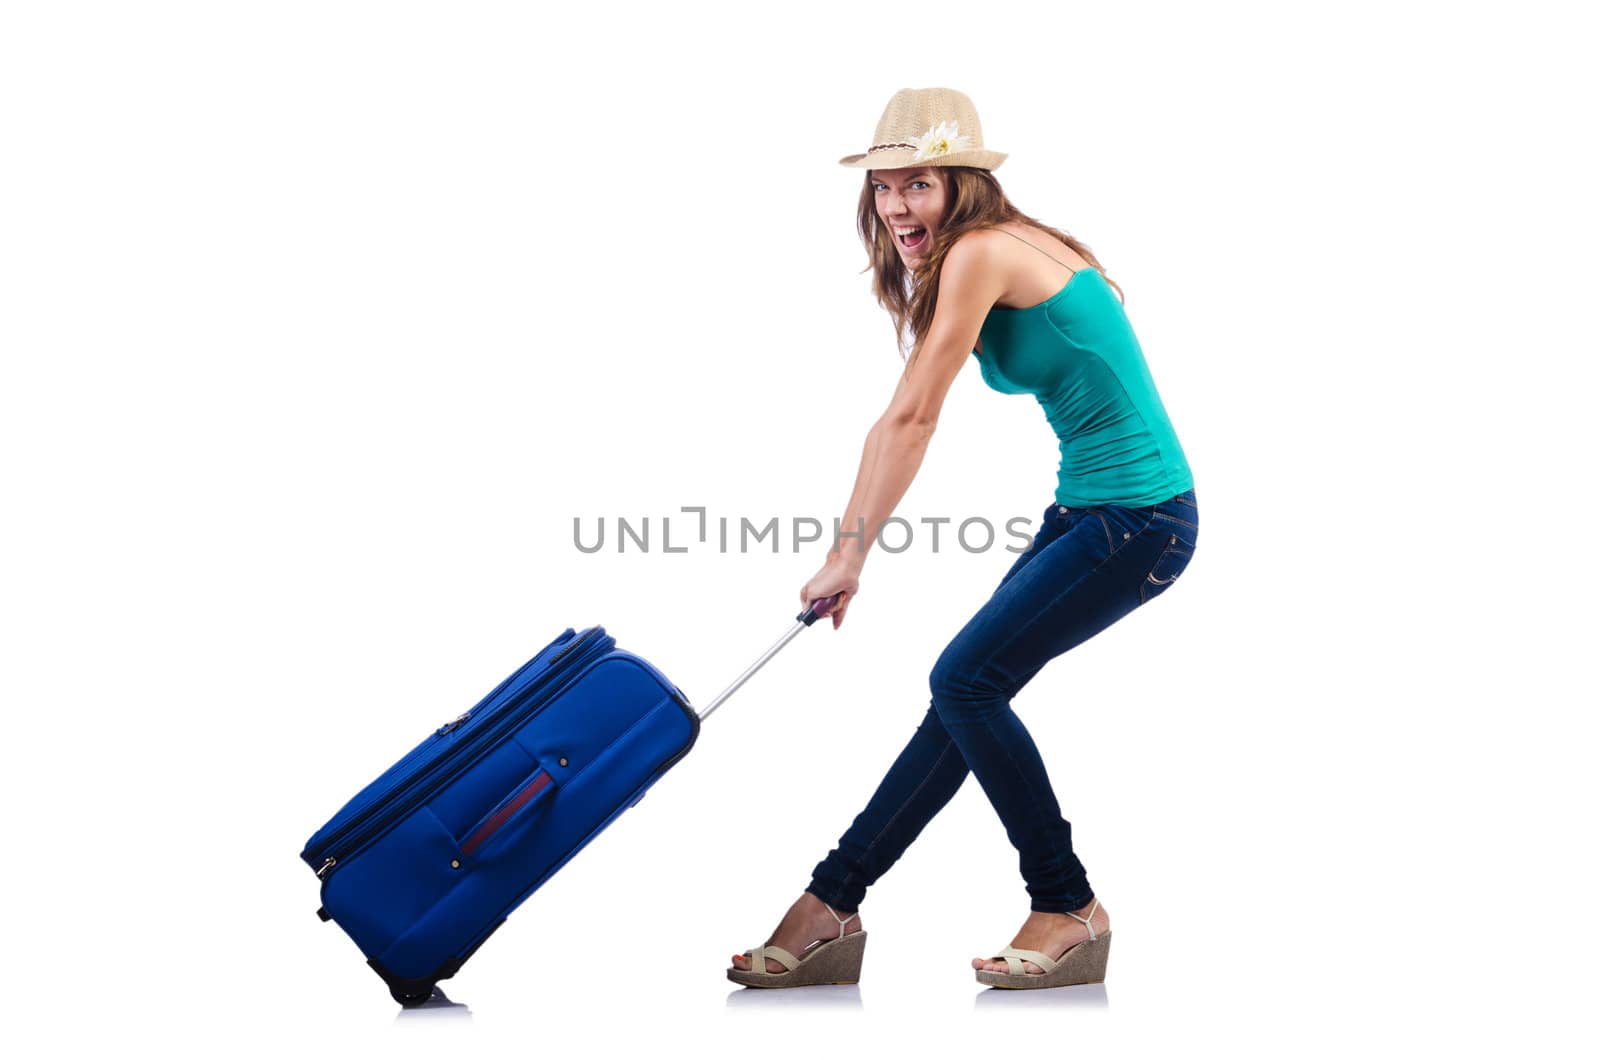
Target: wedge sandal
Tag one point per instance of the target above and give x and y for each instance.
(835, 962)
(1083, 963)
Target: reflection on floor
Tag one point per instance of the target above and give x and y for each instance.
(1091, 996)
(436, 1007)
(753, 998)
(1087, 996)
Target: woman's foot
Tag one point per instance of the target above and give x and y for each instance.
(807, 924)
(1051, 934)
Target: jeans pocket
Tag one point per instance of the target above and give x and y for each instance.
(1122, 524)
(1188, 518)
(1173, 559)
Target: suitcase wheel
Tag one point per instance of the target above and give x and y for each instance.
(413, 992)
(411, 997)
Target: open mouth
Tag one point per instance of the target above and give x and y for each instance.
(912, 239)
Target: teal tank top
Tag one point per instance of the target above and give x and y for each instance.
(1077, 354)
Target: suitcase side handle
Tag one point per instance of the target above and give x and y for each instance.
(517, 806)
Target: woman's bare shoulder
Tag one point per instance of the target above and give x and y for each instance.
(1042, 241)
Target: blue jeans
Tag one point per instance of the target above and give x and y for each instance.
(1085, 569)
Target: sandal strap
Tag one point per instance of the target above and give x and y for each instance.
(842, 920)
(1084, 920)
(1014, 958)
(759, 955)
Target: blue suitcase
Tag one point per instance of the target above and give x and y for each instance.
(429, 859)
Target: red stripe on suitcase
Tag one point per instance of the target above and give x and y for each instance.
(504, 814)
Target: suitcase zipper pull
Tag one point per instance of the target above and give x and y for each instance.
(449, 725)
(327, 866)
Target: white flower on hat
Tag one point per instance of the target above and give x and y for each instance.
(940, 140)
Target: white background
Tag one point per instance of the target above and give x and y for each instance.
(322, 322)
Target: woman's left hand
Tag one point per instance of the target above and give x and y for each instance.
(834, 577)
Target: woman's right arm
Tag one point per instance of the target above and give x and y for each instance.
(870, 451)
(897, 442)
(841, 571)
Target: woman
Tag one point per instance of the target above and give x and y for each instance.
(966, 274)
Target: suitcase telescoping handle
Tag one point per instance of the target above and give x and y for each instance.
(816, 610)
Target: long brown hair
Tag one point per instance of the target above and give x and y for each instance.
(973, 199)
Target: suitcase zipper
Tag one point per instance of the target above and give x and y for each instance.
(377, 818)
(402, 775)
(356, 831)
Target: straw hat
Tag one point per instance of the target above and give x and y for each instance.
(927, 126)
